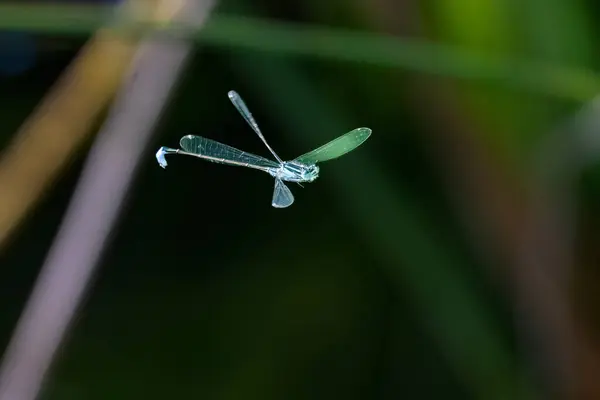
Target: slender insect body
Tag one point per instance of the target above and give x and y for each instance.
(302, 169)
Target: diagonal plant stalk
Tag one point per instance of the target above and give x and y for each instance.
(59, 126)
(94, 210)
(66, 117)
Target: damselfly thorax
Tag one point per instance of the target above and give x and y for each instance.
(293, 171)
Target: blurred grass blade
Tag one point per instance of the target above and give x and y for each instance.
(65, 117)
(394, 52)
(60, 124)
(333, 44)
(96, 205)
(54, 18)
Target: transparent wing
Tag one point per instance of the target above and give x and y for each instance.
(221, 153)
(282, 195)
(337, 147)
(239, 104)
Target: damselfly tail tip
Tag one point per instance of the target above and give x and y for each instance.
(160, 157)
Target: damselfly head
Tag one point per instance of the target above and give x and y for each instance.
(311, 173)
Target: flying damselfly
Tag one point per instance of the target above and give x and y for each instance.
(301, 169)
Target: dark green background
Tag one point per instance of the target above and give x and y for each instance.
(370, 286)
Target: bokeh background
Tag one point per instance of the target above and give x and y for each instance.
(453, 255)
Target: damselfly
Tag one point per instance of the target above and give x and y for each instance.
(301, 169)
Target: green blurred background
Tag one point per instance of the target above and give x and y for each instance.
(402, 271)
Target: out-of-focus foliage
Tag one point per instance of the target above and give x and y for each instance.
(396, 273)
